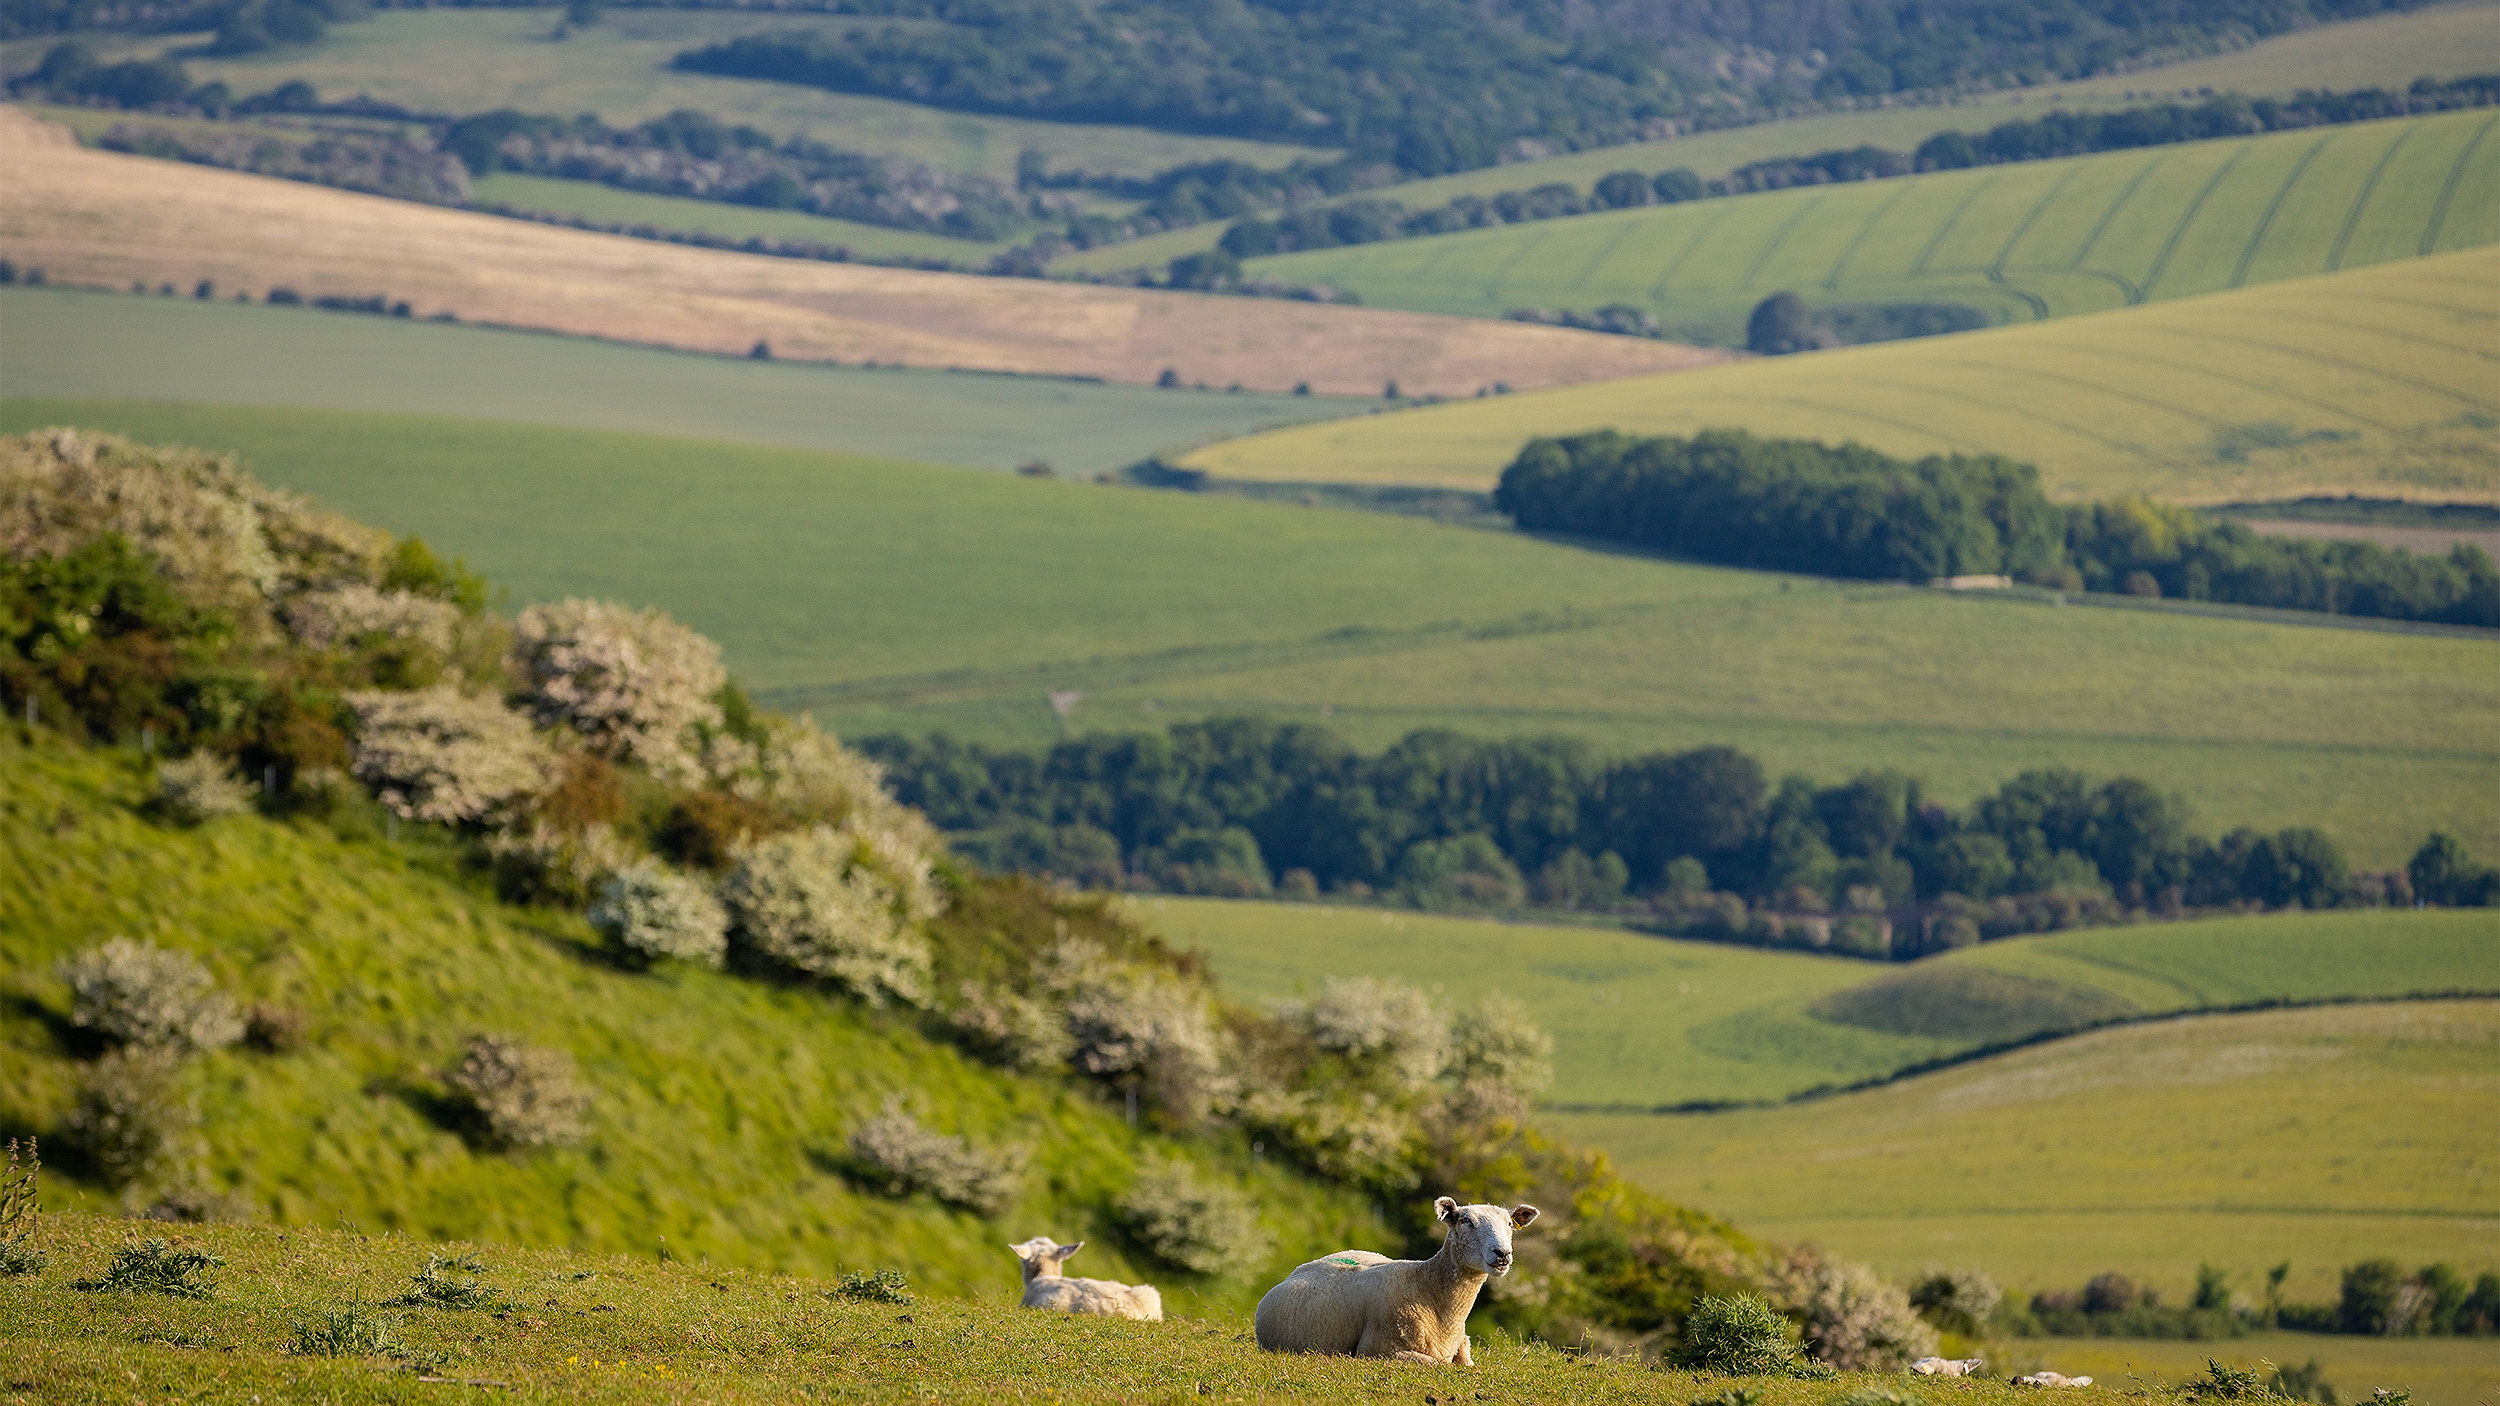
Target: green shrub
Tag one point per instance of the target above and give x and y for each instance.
(652, 913)
(815, 902)
(1958, 1300)
(520, 1096)
(131, 1120)
(1190, 1223)
(450, 1281)
(353, 1331)
(200, 787)
(2222, 1383)
(1875, 1396)
(18, 1175)
(1738, 1334)
(158, 1267)
(1733, 1396)
(139, 994)
(873, 1286)
(894, 1154)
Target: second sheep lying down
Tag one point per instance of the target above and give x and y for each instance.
(1046, 1287)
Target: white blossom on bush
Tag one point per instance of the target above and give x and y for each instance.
(332, 616)
(1383, 1019)
(1192, 1223)
(634, 683)
(520, 1094)
(438, 755)
(656, 913)
(200, 787)
(1011, 1029)
(1493, 1043)
(543, 863)
(807, 774)
(894, 1151)
(137, 993)
(814, 901)
(1852, 1319)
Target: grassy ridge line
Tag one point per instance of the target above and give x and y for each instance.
(2024, 241)
(71, 344)
(108, 219)
(2319, 1135)
(776, 552)
(397, 965)
(1653, 1024)
(2374, 381)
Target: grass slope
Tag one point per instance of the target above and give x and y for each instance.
(68, 343)
(2386, 50)
(465, 61)
(602, 1328)
(2320, 1136)
(1652, 1021)
(886, 596)
(107, 219)
(2022, 242)
(554, 195)
(717, 1099)
(2374, 381)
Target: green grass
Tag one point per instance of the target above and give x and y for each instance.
(1647, 1022)
(2387, 51)
(2022, 242)
(887, 596)
(600, 1328)
(2373, 381)
(2319, 1136)
(396, 967)
(2438, 1371)
(550, 195)
(465, 61)
(65, 343)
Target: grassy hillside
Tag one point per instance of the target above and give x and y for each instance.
(397, 966)
(2438, 1371)
(990, 591)
(589, 200)
(1654, 1021)
(107, 219)
(67, 343)
(2030, 241)
(2373, 381)
(2321, 1136)
(601, 1328)
(2388, 51)
(474, 60)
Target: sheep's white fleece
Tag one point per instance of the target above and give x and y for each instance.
(1361, 1304)
(1046, 1287)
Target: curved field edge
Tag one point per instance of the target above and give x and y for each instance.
(2374, 381)
(2320, 1136)
(689, 1153)
(1647, 1024)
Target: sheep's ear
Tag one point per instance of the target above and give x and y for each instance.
(1067, 1250)
(1445, 1208)
(1523, 1217)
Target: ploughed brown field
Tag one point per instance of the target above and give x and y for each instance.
(104, 218)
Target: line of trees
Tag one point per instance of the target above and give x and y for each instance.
(1699, 841)
(1799, 505)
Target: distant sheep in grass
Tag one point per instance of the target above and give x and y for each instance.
(1947, 1366)
(1046, 1287)
(1356, 1303)
(2052, 1379)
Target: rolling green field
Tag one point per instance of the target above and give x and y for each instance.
(1643, 1022)
(2387, 51)
(2321, 1136)
(396, 966)
(2375, 381)
(472, 60)
(551, 195)
(884, 596)
(2438, 1371)
(65, 343)
(2023, 242)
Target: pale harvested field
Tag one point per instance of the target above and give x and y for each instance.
(107, 219)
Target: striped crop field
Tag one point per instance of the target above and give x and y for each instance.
(2021, 242)
(2378, 381)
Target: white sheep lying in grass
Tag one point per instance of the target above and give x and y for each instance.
(1045, 1287)
(1947, 1366)
(1365, 1305)
(2052, 1379)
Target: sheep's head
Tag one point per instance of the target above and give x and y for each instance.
(1479, 1238)
(1042, 1256)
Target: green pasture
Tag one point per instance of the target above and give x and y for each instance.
(889, 596)
(396, 966)
(551, 195)
(67, 343)
(2023, 242)
(1645, 1022)
(2319, 1136)
(2386, 51)
(2375, 381)
(468, 60)
(2438, 1371)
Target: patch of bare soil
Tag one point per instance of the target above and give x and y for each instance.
(107, 219)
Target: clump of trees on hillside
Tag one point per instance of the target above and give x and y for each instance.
(1700, 842)
(2376, 1298)
(1800, 505)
